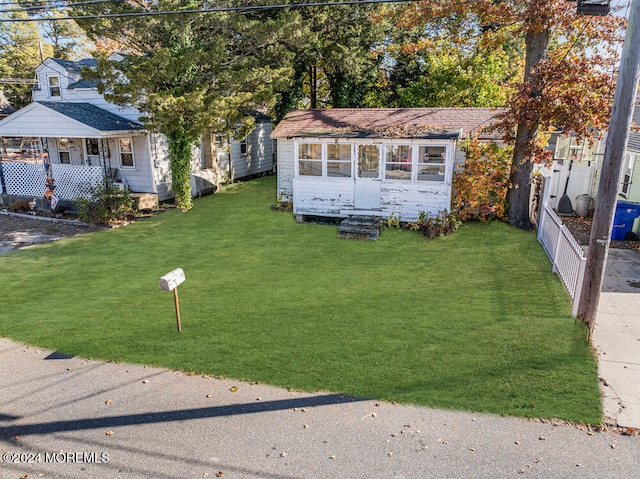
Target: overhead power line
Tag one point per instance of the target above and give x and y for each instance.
(18, 81)
(243, 9)
(47, 7)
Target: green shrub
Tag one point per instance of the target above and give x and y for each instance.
(106, 205)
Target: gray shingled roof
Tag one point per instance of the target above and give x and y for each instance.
(5, 106)
(93, 116)
(82, 83)
(76, 66)
(441, 123)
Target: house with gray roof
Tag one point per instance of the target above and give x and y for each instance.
(86, 140)
(374, 161)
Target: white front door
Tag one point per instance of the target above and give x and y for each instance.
(367, 180)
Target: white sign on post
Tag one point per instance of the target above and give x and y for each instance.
(170, 282)
(172, 279)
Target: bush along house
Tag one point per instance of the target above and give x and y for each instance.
(90, 142)
(374, 162)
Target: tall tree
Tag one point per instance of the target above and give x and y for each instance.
(66, 37)
(189, 74)
(335, 61)
(20, 54)
(567, 82)
(444, 75)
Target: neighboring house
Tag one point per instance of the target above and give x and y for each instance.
(374, 161)
(87, 137)
(5, 107)
(234, 160)
(575, 168)
(630, 185)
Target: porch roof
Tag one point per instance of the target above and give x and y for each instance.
(436, 123)
(67, 120)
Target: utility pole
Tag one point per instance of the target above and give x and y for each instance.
(617, 137)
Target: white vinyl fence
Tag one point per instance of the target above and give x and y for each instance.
(567, 256)
(71, 181)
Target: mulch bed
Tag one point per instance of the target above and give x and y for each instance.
(580, 228)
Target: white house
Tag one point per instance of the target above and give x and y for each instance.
(87, 138)
(374, 162)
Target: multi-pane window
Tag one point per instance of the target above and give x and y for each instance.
(126, 152)
(339, 160)
(54, 86)
(63, 151)
(310, 159)
(398, 162)
(408, 162)
(431, 163)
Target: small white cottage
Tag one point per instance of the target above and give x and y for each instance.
(374, 162)
(86, 138)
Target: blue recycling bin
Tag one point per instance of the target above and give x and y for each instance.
(626, 213)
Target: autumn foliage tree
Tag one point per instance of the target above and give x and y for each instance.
(567, 83)
(480, 189)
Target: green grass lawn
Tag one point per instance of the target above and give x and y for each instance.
(472, 321)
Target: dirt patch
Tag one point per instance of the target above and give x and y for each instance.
(18, 232)
(580, 228)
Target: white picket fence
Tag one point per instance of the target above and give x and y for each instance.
(567, 257)
(71, 181)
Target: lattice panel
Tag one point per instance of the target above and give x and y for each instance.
(72, 181)
(75, 181)
(24, 179)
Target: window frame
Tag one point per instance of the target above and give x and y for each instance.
(51, 88)
(627, 175)
(410, 163)
(321, 161)
(64, 149)
(120, 153)
(338, 161)
(383, 146)
(420, 163)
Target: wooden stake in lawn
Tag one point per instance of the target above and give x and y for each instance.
(617, 138)
(170, 282)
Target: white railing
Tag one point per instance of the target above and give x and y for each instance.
(71, 181)
(567, 256)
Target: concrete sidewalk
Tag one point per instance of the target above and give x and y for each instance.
(616, 337)
(64, 417)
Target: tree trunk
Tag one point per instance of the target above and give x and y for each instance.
(313, 86)
(537, 44)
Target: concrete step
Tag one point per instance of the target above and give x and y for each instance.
(362, 227)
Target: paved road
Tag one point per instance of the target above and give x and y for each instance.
(155, 423)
